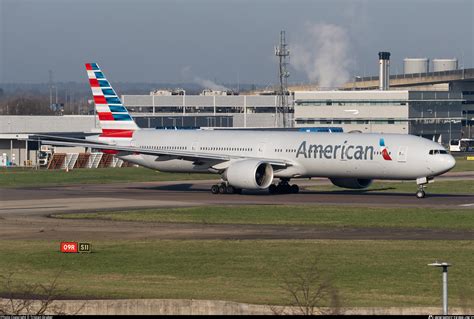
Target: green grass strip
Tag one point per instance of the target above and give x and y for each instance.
(462, 164)
(38, 178)
(326, 216)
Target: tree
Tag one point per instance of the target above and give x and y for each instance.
(31, 299)
(309, 293)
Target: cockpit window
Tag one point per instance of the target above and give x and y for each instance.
(433, 152)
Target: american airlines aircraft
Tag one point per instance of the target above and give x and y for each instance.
(252, 159)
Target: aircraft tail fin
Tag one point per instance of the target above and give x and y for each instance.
(114, 118)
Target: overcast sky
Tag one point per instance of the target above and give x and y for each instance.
(225, 41)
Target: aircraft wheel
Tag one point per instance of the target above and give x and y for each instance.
(222, 189)
(229, 189)
(294, 189)
(420, 193)
(272, 189)
(279, 189)
(283, 189)
(215, 189)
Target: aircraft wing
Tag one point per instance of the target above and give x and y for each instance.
(43, 137)
(185, 155)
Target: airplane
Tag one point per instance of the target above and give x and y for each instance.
(251, 160)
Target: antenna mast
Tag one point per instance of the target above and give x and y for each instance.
(283, 54)
(50, 72)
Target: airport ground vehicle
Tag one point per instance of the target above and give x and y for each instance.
(461, 145)
(45, 154)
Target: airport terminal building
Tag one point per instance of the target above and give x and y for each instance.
(434, 115)
(159, 111)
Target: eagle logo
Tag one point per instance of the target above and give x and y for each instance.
(384, 151)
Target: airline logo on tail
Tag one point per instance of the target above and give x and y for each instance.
(384, 151)
(113, 116)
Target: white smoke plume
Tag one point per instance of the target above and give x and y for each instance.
(207, 84)
(322, 53)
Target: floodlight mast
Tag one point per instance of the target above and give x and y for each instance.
(445, 266)
(283, 54)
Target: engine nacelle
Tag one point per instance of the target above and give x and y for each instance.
(249, 174)
(352, 183)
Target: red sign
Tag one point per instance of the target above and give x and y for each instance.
(68, 247)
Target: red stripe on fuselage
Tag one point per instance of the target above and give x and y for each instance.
(99, 99)
(105, 116)
(94, 83)
(116, 133)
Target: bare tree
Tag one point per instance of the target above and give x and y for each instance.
(25, 105)
(32, 299)
(309, 293)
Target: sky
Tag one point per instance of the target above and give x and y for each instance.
(226, 41)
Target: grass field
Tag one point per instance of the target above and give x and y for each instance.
(437, 187)
(327, 216)
(366, 273)
(29, 177)
(462, 164)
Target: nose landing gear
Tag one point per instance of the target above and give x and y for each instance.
(422, 181)
(420, 193)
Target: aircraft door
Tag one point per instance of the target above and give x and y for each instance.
(402, 154)
(195, 147)
(261, 149)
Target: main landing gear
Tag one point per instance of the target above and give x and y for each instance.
(225, 188)
(283, 188)
(422, 181)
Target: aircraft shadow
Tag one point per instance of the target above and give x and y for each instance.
(382, 191)
(174, 187)
(379, 192)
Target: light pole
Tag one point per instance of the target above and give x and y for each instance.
(356, 78)
(445, 266)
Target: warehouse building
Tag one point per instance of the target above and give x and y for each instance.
(15, 131)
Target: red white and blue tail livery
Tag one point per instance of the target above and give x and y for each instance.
(114, 118)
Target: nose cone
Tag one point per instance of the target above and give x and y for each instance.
(445, 163)
(450, 162)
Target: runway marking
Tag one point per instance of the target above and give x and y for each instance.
(467, 205)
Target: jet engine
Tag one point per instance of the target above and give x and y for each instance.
(249, 174)
(352, 183)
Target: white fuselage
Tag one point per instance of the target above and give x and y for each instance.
(311, 154)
